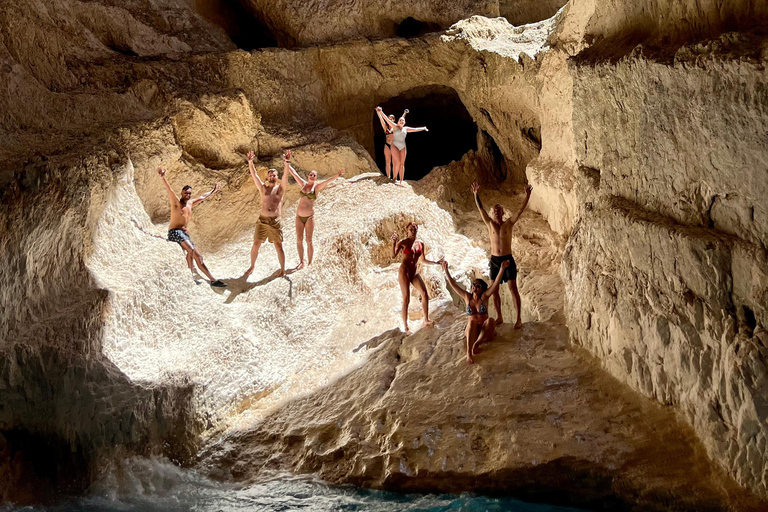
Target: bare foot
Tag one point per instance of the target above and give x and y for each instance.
(408, 331)
(281, 273)
(428, 323)
(518, 325)
(470, 360)
(248, 272)
(300, 266)
(499, 321)
(476, 351)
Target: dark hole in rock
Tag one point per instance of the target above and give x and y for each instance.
(749, 318)
(41, 467)
(452, 131)
(411, 27)
(496, 163)
(240, 24)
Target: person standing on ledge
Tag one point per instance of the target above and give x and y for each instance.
(268, 226)
(305, 211)
(181, 214)
(399, 150)
(500, 232)
(413, 251)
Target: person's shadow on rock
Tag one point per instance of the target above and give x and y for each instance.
(239, 285)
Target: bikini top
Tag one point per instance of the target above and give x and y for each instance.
(482, 310)
(414, 249)
(309, 195)
(388, 131)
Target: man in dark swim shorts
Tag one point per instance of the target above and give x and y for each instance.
(500, 231)
(181, 213)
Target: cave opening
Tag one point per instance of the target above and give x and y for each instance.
(240, 24)
(411, 27)
(452, 131)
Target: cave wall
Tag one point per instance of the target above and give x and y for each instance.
(666, 271)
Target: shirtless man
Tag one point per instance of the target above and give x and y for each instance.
(268, 226)
(500, 232)
(181, 213)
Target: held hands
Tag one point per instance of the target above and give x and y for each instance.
(475, 188)
(394, 236)
(287, 156)
(378, 109)
(528, 190)
(161, 172)
(251, 154)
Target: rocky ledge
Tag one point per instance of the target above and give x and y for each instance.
(534, 418)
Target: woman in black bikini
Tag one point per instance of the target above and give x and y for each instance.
(480, 327)
(413, 250)
(389, 134)
(305, 211)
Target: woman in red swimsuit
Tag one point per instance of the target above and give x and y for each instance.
(413, 250)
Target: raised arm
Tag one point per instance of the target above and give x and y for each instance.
(452, 282)
(396, 246)
(383, 124)
(205, 196)
(254, 175)
(171, 195)
(320, 186)
(385, 118)
(495, 285)
(424, 257)
(287, 170)
(528, 190)
(421, 129)
(479, 203)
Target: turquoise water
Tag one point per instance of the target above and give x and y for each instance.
(143, 485)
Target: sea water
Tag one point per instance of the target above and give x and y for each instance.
(150, 485)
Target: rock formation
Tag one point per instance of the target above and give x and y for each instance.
(641, 125)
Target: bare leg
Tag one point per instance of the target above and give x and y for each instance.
(395, 161)
(497, 306)
(254, 255)
(516, 296)
(280, 257)
(405, 288)
(471, 335)
(310, 246)
(418, 282)
(388, 161)
(188, 254)
(300, 241)
(487, 331)
(199, 260)
(401, 173)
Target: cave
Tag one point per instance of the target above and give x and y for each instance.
(452, 131)
(411, 27)
(240, 24)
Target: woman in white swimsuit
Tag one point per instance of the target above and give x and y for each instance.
(305, 211)
(398, 142)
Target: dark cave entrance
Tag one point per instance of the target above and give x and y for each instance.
(240, 24)
(411, 27)
(452, 131)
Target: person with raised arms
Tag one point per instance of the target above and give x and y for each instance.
(181, 214)
(500, 233)
(413, 251)
(399, 151)
(481, 328)
(268, 226)
(305, 211)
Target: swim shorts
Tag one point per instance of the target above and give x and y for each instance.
(179, 235)
(268, 228)
(510, 274)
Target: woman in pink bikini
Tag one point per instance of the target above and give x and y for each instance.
(305, 212)
(413, 250)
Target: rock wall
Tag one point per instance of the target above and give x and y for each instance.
(665, 271)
